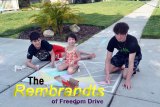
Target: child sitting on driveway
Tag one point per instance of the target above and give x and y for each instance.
(72, 55)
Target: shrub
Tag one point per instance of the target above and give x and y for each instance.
(54, 15)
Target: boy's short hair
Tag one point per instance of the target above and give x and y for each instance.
(121, 28)
(34, 36)
(72, 35)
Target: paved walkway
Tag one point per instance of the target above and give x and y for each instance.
(145, 91)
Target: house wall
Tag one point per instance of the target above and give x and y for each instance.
(9, 4)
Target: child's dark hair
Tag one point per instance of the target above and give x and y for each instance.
(121, 28)
(34, 36)
(72, 35)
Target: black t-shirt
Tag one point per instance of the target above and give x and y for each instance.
(125, 48)
(42, 53)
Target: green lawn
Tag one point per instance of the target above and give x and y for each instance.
(99, 14)
(105, 13)
(13, 23)
(152, 29)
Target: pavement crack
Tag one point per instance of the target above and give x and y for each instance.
(138, 99)
(110, 102)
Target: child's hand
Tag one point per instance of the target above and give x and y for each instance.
(36, 67)
(127, 84)
(52, 64)
(72, 63)
(108, 81)
(76, 61)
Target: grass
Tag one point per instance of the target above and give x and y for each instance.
(13, 23)
(105, 13)
(100, 14)
(152, 28)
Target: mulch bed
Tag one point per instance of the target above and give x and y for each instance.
(85, 33)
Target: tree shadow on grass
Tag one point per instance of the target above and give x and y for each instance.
(93, 19)
(14, 32)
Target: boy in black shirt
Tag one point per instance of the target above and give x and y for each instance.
(40, 49)
(128, 55)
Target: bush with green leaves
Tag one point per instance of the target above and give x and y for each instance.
(54, 15)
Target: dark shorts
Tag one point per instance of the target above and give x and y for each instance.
(119, 60)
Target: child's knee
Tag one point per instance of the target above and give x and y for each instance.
(60, 68)
(70, 71)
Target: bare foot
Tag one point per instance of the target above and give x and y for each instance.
(92, 56)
